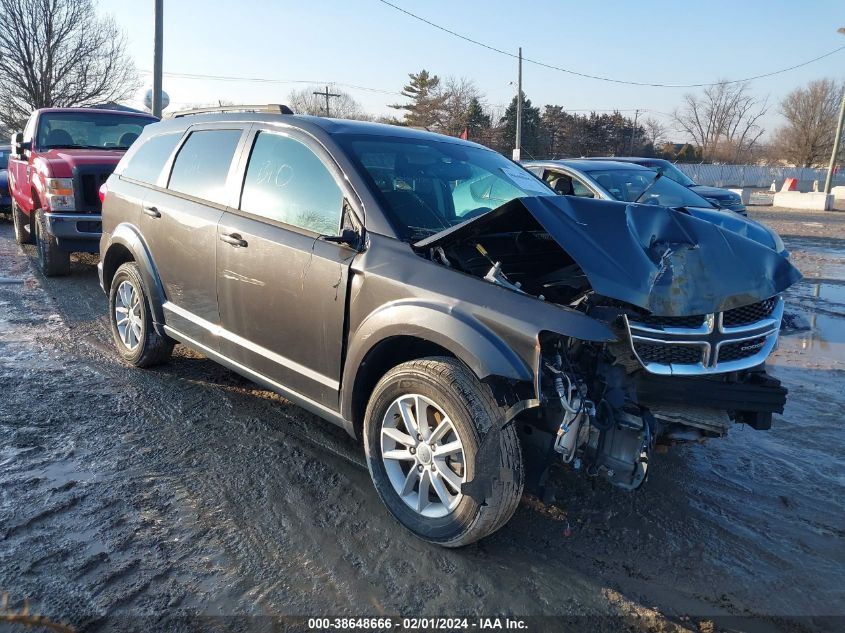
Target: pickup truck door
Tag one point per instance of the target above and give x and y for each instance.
(20, 170)
(179, 224)
(281, 287)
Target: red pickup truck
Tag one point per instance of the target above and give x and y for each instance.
(56, 167)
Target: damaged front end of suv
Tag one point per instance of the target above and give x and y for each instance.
(694, 303)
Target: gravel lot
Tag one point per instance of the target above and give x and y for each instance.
(186, 498)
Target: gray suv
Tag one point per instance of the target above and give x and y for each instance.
(439, 302)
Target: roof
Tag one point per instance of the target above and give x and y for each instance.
(636, 160)
(99, 111)
(332, 127)
(586, 165)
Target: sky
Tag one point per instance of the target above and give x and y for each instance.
(371, 45)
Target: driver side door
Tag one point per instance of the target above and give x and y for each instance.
(281, 285)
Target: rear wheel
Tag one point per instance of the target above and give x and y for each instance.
(423, 428)
(54, 262)
(22, 225)
(131, 320)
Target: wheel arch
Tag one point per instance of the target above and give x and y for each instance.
(412, 330)
(125, 245)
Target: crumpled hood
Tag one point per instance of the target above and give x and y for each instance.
(666, 261)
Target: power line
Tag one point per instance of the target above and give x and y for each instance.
(356, 87)
(599, 77)
(268, 80)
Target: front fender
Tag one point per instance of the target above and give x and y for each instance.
(468, 339)
(471, 341)
(128, 236)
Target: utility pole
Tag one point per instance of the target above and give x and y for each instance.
(157, 58)
(327, 95)
(517, 152)
(829, 180)
(634, 131)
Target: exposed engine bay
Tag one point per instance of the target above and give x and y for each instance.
(689, 359)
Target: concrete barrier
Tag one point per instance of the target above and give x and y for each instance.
(838, 193)
(798, 200)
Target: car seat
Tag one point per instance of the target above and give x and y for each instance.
(58, 137)
(562, 185)
(127, 139)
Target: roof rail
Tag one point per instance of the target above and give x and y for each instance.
(272, 108)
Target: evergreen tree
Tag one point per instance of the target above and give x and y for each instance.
(427, 101)
(530, 127)
(475, 119)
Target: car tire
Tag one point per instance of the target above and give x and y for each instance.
(23, 234)
(452, 398)
(130, 316)
(53, 261)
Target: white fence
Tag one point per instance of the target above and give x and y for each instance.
(755, 175)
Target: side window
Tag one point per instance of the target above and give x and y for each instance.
(580, 189)
(286, 182)
(149, 159)
(201, 167)
(29, 130)
(561, 183)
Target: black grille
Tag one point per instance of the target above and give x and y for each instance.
(668, 321)
(750, 313)
(669, 354)
(86, 183)
(740, 350)
(91, 188)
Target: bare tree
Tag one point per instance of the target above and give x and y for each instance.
(304, 101)
(655, 132)
(723, 120)
(457, 94)
(811, 115)
(59, 53)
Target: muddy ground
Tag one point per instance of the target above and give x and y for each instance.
(134, 499)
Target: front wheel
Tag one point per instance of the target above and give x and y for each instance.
(54, 262)
(423, 428)
(131, 320)
(20, 220)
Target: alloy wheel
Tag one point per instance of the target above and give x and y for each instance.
(127, 315)
(423, 455)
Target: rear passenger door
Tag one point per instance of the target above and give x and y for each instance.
(179, 221)
(281, 286)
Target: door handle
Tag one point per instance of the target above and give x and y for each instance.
(234, 239)
(152, 212)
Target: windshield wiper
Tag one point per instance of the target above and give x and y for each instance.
(417, 233)
(650, 185)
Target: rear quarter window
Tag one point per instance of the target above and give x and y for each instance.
(202, 164)
(148, 160)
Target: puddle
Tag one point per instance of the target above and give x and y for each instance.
(823, 343)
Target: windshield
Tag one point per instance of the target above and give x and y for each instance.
(647, 187)
(670, 171)
(89, 130)
(427, 186)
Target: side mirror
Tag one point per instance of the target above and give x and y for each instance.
(18, 145)
(347, 236)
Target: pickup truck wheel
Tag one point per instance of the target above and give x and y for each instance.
(135, 337)
(54, 262)
(22, 225)
(423, 427)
